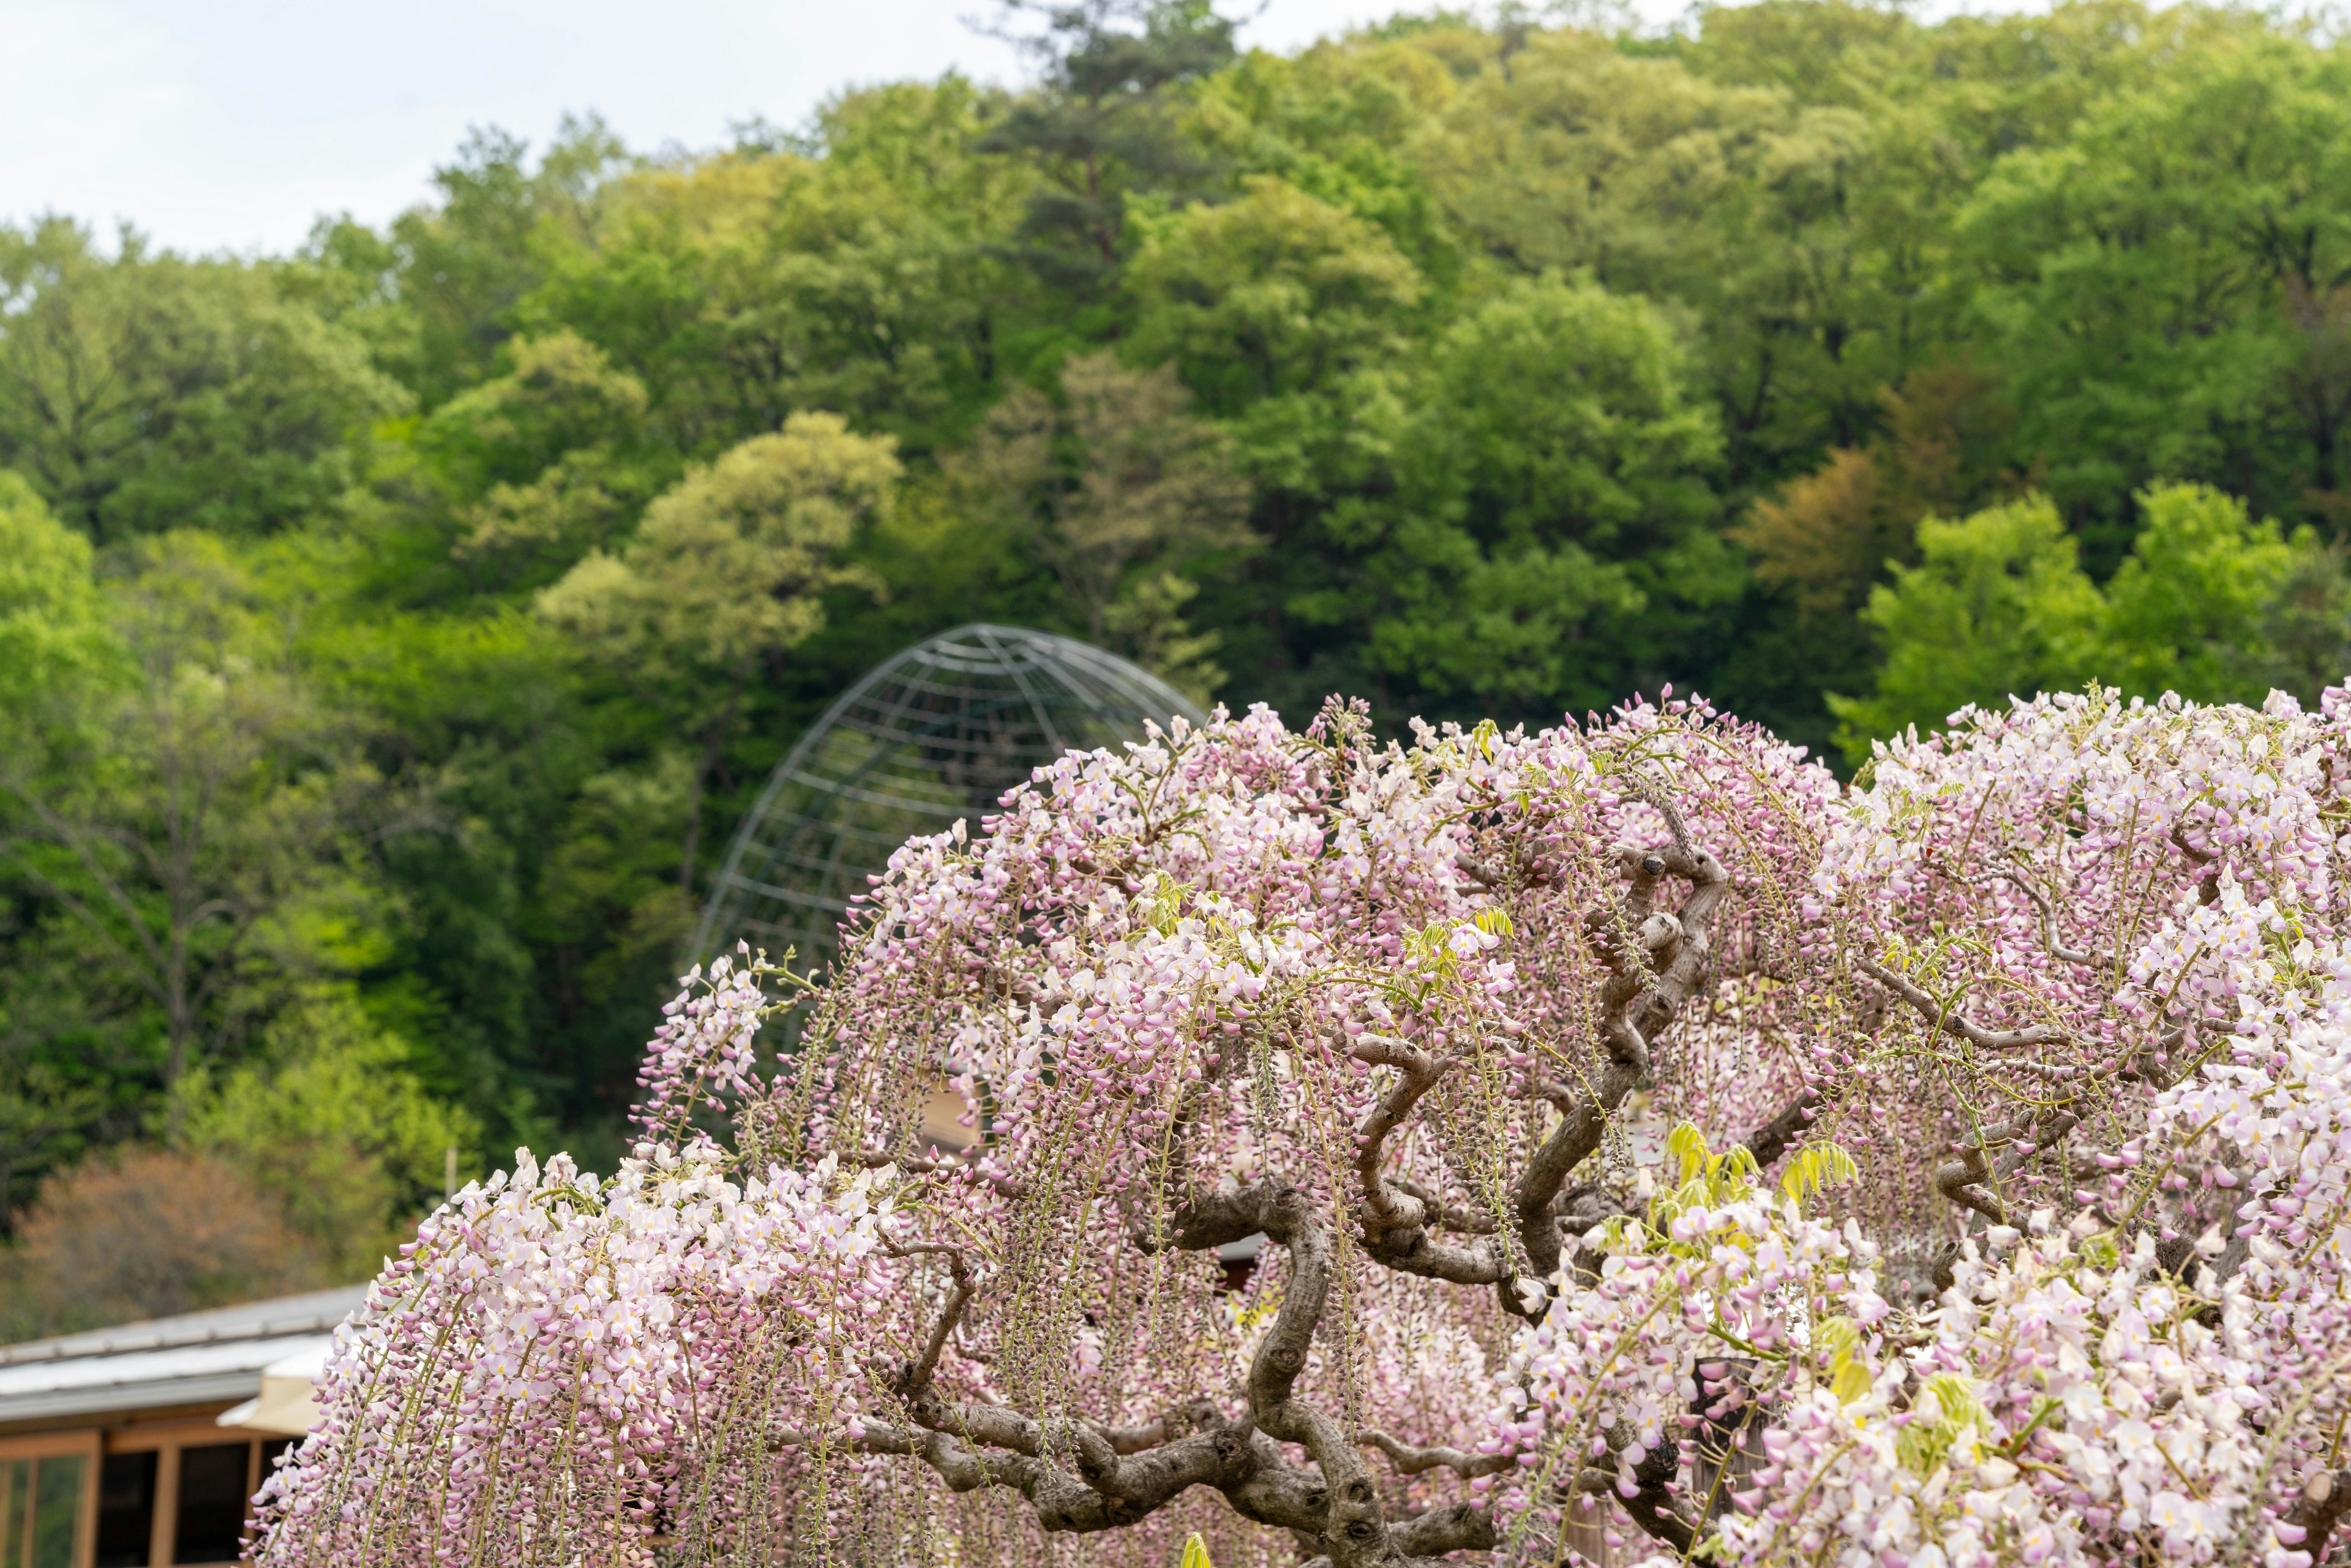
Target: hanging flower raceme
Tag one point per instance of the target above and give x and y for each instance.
(1497, 1146)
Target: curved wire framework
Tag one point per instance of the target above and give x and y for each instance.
(939, 731)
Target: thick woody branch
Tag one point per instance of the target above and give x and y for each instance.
(1422, 1538)
(1123, 1475)
(1069, 1503)
(1351, 1527)
(2325, 1498)
(1386, 1205)
(916, 1376)
(1280, 1494)
(1952, 1022)
(1196, 1413)
(1394, 1217)
(1955, 1180)
(2208, 886)
(1650, 1505)
(1461, 1528)
(1411, 1461)
(1479, 872)
(1650, 976)
(1959, 1178)
(1469, 1221)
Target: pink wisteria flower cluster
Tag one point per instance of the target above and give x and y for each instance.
(1620, 1142)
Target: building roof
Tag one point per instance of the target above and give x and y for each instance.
(194, 1358)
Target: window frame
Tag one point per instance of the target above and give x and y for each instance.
(165, 1440)
(88, 1446)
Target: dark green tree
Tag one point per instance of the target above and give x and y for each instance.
(1103, 129)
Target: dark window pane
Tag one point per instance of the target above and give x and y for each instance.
(56, 1508)
(212, 1503)
(126, 1509)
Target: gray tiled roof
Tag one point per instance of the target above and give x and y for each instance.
(192, 1359)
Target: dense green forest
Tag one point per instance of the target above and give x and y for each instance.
(389, 632)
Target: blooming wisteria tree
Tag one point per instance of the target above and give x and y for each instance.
(1651, 1146)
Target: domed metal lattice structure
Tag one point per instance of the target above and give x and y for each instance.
(940, 731)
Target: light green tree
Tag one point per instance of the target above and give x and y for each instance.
(2209, 604)
(729, 569)
(1118, 486)
(331, 1123)
(1998, 603)
(1276, 308)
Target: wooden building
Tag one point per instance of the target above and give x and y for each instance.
(142, 1445)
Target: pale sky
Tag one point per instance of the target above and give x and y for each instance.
(231, 124)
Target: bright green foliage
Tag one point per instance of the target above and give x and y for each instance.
(2203, 606)
(2164, 285)
(485, 562)
(2190, 610)
(1848, 1371)
(1955, 1414)
(728, 568)
(1814, 1169)
(1270, 305)
(1702, 1178)
(54, 641)
(1997, 603)
(331, 1123)
(1552, 536)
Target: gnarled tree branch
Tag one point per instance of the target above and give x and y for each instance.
(1649, 978)
(1952, 1022)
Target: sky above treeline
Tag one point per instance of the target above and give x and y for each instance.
(233, 123)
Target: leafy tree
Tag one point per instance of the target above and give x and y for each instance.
(146, 392)
(1121, 486)
(546, 462)
(728, 570)
(1555, 537)
(1269, 306)
(56, 648)
(58, 655)
(1830, 534)
(1998, 604)
(445, 296)
(178, 811)
(2159, 283)
(1340, 121)
(740, 288)
(1104, 127)
(333, 1126)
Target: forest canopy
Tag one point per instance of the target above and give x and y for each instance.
(391, 632)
